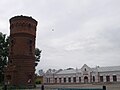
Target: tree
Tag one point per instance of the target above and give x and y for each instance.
(3, 54)
(4, 49)
(37, 55)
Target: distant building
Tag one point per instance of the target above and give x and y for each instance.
(86, 74)
(41, 72)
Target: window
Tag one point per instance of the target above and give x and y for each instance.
(48, 80)
(114, 78)
(8, 77)
(79, 79)
(11, 26)
(10, 61)
(93, 78)
(85, 69)
(55, 80)
(74, 79)
(30, 42)
(107, 78)
(69, 79)
(29, 25)
(30, 46)
(101, 78)
(12, 43)
(64, 80)
(85, 79)
(60, 80)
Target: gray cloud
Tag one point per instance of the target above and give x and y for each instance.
(85, 31)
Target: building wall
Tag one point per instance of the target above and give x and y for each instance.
(104, 74)
(89, 75)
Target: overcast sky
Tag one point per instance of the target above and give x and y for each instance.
(70, 33)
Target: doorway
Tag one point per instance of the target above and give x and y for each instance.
(85, 79)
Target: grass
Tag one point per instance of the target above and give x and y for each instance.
(0, 87)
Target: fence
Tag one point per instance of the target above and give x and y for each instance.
(103, 88)
(80, 89)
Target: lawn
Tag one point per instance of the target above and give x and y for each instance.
(0, 87)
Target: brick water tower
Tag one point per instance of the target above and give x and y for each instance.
(21, 61)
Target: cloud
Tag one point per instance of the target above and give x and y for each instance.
(85, 31)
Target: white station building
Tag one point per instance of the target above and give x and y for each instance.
(86, 74)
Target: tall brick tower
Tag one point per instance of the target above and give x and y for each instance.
(21, 61)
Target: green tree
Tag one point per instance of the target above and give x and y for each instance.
(3, 54)
(37, 55)
(4, 45)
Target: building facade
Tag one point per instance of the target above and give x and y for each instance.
(84, 75)
(20, 70)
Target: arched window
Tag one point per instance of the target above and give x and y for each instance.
(107, 78)
(101, 78)
(85, 79)
(64, 80)
(93, 78)
(79, 79)
(114, 78)
(74, 79)
(60, 80)
(69, 79)
(55, 80)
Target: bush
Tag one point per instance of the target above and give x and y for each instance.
(38, 82)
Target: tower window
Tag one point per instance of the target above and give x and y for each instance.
(30, 48)
(30, 41)
(30, 45)
(8, 77)
(11, 26)
(29, 25)
(11, 61)
(12, 41)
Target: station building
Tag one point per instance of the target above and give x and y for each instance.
(110, 74)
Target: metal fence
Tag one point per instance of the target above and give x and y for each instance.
(102, 88)
(80, 89)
